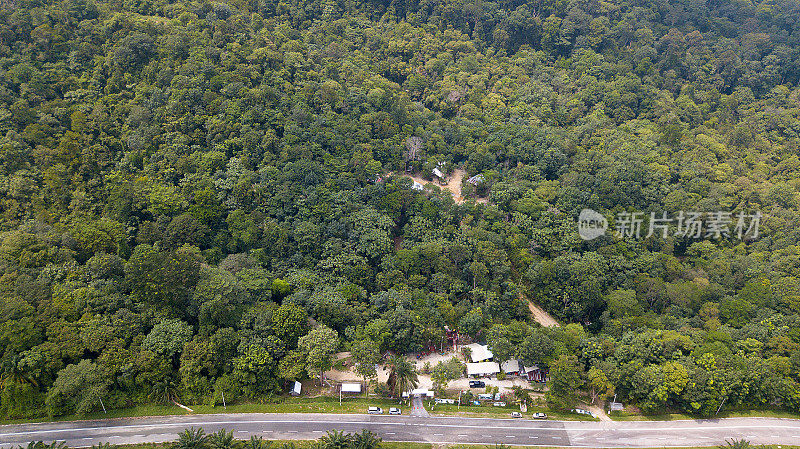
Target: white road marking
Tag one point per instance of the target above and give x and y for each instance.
(389, 433)
(510, 436)
(462, 435)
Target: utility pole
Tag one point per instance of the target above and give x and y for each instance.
(720, 405)
(102, 405)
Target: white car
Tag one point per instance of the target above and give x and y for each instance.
(375, 411)
(539, 415)
(516, 415)
(395, 411)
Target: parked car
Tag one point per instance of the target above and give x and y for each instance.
(516, 415)
(444, 401)
(477, 384)
(395, 411)
(499, 404)
(375, 411)
(539, 415)
(485, 397)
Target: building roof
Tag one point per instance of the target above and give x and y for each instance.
(479, 352)
(475, 180)
(417, 186)
(419, 392)
(482, 368)
(530, 369)
(351, 388)
(510, 366)
(438, 173)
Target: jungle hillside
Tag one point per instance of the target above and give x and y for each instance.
(201, 198)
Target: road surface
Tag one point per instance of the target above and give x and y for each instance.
(407, 428)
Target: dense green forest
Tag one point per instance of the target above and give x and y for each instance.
(198, 198)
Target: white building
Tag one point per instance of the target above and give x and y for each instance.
(510, 366)
(482, 369)
(479, 352)
(420, 392)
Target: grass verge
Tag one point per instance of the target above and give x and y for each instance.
(764, 413)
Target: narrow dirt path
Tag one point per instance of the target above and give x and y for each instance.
(454, 184)
(539, 314)
(599, 412)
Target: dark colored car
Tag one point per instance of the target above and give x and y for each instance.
(476, 384)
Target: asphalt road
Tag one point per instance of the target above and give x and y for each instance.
(408, 428)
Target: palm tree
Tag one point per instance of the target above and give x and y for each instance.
(192, 438)
(43, 445)
(335, 439)
(402, 375)
(365, 440)
(736, 444)
(256, 442)
(222, 440)
(13, 372)
(103, 446)
(164, 390)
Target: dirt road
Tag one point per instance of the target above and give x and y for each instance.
(539, 314)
